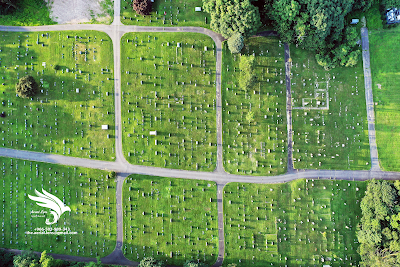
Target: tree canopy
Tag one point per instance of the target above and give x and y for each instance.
(236, 43)
(150, 262)
(142, 7)
(319, 26)
(7, 6)
(247, 77)
(379, 230)
(26, 87)
(229, 17)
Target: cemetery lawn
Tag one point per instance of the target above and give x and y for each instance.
(259, 147)
(330, 129)
(385, 88)
(301, 223)
(90, 196)
(178, 13)
(170, 219)
(171, 90)
(30, 13)
(58, 120)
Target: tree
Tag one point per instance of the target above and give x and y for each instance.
(192, 263)
(232, 16)
(235, 43)
(6, 258)
(26, 259)
(142, 7)
(250, 116)
(247, 76)
(27, 87)
(46, 260)
(7, 6)
(150, 262)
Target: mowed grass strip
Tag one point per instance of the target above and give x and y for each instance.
(385, 89)
(301, 223)
(168, 86)
(330, 129)
(88, 193)
(167, 14)
(29, 13)
(75, 72)
(258, 147)
(173, 220)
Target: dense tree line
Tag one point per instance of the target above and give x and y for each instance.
(30, 259)
(379, 230)
(316, 25)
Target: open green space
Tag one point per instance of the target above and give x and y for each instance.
(173, 220)
(29, 13)
(330, 129)
(75, 73)
(168, 86)
(386, 92)
(258, 147)
(301, 223)
(88, 193)
(177, 13)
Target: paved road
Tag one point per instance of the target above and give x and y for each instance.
(288, 64)
(369, 99)
(221, 237)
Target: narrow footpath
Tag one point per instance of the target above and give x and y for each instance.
(288, 64)
(369, 99)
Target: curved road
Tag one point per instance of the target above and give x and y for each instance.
(116, 30)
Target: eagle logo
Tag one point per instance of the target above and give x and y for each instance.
(52, 202)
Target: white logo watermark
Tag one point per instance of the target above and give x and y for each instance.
(50, 201)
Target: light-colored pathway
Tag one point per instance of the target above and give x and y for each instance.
(289, 126)
(369, 99)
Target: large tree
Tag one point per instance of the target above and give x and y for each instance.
(142, 7)
(7, 6)
(150, 262)
(233, 16)
(26, 259)
(27, 87)
(379, 231)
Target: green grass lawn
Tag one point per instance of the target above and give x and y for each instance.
(177, 13)
(385, 87)
(29, 13)
(330, 129)
(170, 219)
(168, 86)
(90, 196)
(58, 120)
(259, 147)
(302, 223)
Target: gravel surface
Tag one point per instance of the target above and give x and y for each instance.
(74, 11)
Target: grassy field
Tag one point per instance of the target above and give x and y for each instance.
(330, 128)
(302, 223)
(168, 86)
(385, 81)
(259, 147)
(29, 13)
(90, 196)
(170, 219)
(58, 120)
(177, 13)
